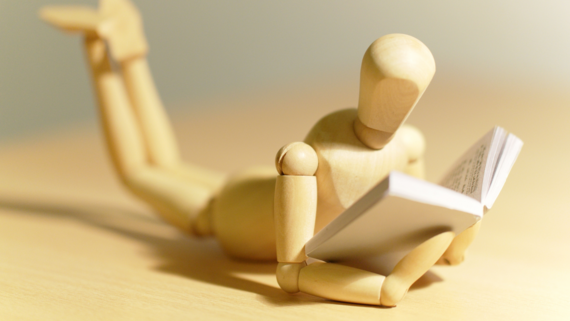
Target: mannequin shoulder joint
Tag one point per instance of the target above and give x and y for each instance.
(297, 159)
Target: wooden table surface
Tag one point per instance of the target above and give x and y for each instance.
(74, 245)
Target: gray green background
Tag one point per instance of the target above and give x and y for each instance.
(209, 49)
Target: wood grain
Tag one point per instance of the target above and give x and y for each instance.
(75, 246)
(412, 267)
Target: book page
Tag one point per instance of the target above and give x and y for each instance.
(497, 147)
(511, 150)
(467, 174)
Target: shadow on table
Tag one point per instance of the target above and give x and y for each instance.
(198, 259)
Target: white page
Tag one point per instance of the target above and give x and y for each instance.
(467, 174)
(511, 150)
(495, 151)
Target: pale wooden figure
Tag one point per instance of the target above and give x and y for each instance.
(254, 214)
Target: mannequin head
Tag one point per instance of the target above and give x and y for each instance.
(396, 70)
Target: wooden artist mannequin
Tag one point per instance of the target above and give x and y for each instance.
(257, 214)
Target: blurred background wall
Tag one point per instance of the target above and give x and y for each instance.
(207, 49)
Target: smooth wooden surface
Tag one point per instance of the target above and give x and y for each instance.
(74, 245)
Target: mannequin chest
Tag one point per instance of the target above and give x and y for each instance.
(347, 168)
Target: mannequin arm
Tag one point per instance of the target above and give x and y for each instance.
(295, 213)
(295, 210)
(414, 143)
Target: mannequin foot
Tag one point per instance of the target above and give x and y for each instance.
(116, 21)
(80, 19)
(125, 35)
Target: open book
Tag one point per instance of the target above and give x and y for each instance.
(402, 211)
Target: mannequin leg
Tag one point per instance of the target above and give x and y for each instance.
(347, 284)
(128, 46)
(177, 200)
(412, 267)
(156, 129)
(455, 253)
